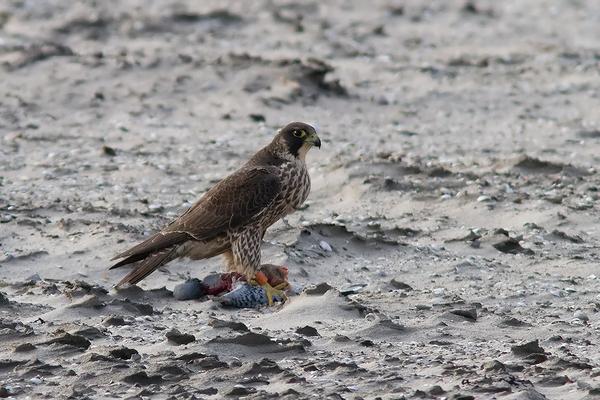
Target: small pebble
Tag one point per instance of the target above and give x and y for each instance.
(581, 316)
(583, 385)
(481, 199)
(6, 217)
(383, 101)
(353, 289)
(325, 246)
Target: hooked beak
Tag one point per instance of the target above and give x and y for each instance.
(316, 141)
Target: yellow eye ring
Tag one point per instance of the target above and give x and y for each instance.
(299, 133)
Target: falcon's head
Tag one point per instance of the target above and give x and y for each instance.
(298, 138)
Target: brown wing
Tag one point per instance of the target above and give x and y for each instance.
(228, 205)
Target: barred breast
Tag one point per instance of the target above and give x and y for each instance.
(295, 180)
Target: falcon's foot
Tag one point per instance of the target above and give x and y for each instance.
(262, 281)
(273, 291)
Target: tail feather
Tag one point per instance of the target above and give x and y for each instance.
(149, 265)
(130, 259)
(156, 242)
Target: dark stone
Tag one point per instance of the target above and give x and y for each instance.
(332, 365)
(557, 380)
(513, 322)
(211, 362)
(37, 367)
(191, 356)
(527, 348)
(96, 357)
(169, 369)
(439, 172)
(311, 367)
(512, 246)
(535, 358)
(71, 340)
(571, 362)
(257, 117)
(247, 339)
(321, 288)
(144, 309)
(441, 342)
(436, 390)
(234, 325)
(265, 366)
(239, 390)
(209, 391)
(563, 235)
(307, 331)
(106, 150)
(470, 8)
(401, 285)
(494, 365)
(253, 380)
(499, 387)
(114, 320)
(470, 314)
(179, 338)
(89, 332)
(24, 347)
(142, 378)
(123, 353)
(341, 338)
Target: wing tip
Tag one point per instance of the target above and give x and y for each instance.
(151, 263)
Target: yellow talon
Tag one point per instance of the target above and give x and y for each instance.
(272, 291)
(261, 280)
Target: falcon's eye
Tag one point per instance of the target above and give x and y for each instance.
(299, 133)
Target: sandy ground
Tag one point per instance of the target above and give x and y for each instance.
(456, 185)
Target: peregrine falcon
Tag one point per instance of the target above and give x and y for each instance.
(231, 218)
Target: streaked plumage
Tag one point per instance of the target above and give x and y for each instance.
(232, 217)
